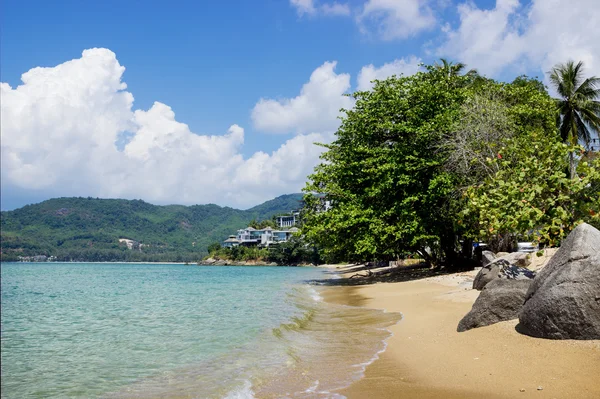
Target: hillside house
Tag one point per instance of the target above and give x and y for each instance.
(263, 237)
(288, 220)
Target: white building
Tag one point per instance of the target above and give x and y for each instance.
(288, 220)
(231, 242)
(264, 237)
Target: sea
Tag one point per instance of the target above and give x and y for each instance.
(110, 330)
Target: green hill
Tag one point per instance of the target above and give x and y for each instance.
(89, 229)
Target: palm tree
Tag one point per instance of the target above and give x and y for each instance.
(579, 105)
(451, 69)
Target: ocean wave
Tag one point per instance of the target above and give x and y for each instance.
(245, 392)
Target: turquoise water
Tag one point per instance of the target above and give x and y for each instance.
(83, 330)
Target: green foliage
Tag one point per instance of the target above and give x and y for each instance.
(241, 254)
(531, 195)
(259, 225)
(87, 229)
(293, 252)
(383, 175)
(425, 161)
(214, 247)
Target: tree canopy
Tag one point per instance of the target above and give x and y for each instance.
(417, 164)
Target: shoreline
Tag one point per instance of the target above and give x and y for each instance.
(426, 358)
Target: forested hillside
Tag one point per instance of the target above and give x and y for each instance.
(89, 229)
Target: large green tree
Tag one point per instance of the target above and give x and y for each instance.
(579, 105)
(404, 156)
(383, 175)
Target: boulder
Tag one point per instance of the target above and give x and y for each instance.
(500, 300)
(487, 257)
(500, 268)
(513, 272)
(520, 259)
(485, 275)
(563, 301)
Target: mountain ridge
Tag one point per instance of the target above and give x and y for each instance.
(89, 229)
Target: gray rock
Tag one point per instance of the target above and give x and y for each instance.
(563, 301)
(513, 272)
(485, 275)
(487, 257)
(500, 268)
(500, 300)
(520, 259)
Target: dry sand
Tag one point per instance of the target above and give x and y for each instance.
(427, 358)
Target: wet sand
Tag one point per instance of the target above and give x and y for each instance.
(427, 358)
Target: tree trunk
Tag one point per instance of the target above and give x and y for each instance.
(467, 248)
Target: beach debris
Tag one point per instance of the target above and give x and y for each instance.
(563, 301)
(500, 300)
(522, 390)
(540, 388)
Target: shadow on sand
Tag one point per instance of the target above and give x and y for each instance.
(364, 274)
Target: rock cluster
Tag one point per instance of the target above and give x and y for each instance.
(500, 300)
(561, 302)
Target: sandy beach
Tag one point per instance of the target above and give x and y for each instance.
(427, 358)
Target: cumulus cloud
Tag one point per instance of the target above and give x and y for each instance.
(309, 7)
(290, 162)
(60, 129)
(398, 67)
(522, 37)
(316, 109)
(395, 19)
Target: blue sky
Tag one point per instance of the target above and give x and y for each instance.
(211, 63)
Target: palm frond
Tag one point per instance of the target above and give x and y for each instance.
(583, 133)
(591, 118)
(577, 73)
(578, 107)
(589, 89)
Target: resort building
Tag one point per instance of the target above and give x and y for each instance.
(267, 236)
(263, 237)
(288, 220)
(230, 242)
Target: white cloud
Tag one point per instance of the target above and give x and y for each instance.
(315, 110)
(308, 7)
(536, 37)
(335, 9)
(395, 19)
(294, 160)
(397, 67)
(60, 126)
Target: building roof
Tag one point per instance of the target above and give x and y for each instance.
(231, 240)
(251, 229)
(294, 229)
(268, 229)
